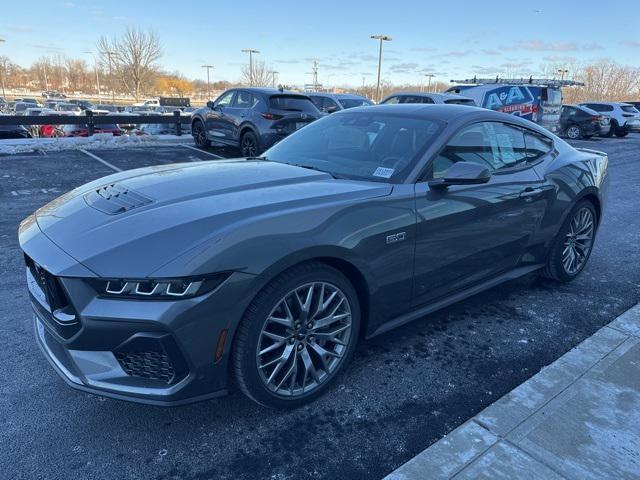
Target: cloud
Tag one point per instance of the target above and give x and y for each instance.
(559, 58)
(631, 43)
(423, 49)
(289, 60)
(542, 46)
(408, 67)
(491, 52)
(68, 4)
(453, 53)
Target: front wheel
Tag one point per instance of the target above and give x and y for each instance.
(296, 336)
(573, 132)
(621, 132)
(572, 247)
(199, 134)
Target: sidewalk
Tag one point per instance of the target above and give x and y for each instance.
(579, 418)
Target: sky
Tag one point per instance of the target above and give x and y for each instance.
(449, 39)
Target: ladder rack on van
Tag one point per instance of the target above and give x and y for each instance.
(544, 82)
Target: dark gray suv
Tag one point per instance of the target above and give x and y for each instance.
(252, 119)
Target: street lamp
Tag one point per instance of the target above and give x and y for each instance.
(250, 51)
(429, 77)
(273, 78)
(4, 67)
(95, 66)
(208, 67)
(562, 73)
(113, 92)
(381, 38)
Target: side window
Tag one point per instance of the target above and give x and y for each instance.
(392, 100)
(243, 100)
(330, 105)
(317, 101)
(225, 99)
(537, 145)
(493, 145)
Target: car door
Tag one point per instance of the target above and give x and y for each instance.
(239, 112)
(218, 120)
(468, 233)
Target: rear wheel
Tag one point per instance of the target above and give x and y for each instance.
(572, 247)
(199, 134)
(249, 144)
(296, 336)
(621, 132)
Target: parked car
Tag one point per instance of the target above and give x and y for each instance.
(420, 97)
(252, 119)
(265, 273)
(163, 129)
(28, 100)
(154, 102)
(53, 94)
(332, 102)
(582, 122)
(19, 108)
(12, 132)
(83, 104)
(108, 108)
(83, 130)
(625, 118)
(67, 107)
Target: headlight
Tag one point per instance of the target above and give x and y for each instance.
(158, 288)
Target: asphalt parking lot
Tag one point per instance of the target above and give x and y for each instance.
(403, 391)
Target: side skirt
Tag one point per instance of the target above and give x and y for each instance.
(456, 297)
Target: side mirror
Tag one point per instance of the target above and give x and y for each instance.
(331, 109)
(210, 104)
(461, 173)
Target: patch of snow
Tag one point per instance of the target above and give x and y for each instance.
(96, 142)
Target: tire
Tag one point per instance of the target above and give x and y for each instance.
(257, 333)
(556, 268)
(249, 145)
(621, 132)
(199, 134)
(574, 132)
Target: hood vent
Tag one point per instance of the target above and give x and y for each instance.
(114, 198)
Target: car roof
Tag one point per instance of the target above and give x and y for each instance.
(429, 111)
(336, 95)
(439, 96)
(268, 91)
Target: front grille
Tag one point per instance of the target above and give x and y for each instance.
(50, 301)
(115, 198)
(154, 365)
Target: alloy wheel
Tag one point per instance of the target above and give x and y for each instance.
(199, 134)
(248, 146)
(578, 241)
(304, 339)
(573, 132)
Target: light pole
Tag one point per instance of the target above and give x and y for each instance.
(208, 67)
(381, 38)
(429, 77)
(4, 68)
(95, 67)
(250, 51)
(113, 92)
(562, 73)
(273, 78)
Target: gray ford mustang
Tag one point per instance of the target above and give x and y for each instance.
(165, 285)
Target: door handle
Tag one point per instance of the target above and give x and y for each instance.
(529, 193)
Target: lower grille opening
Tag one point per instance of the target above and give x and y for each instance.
(152, 356)
(154, 365)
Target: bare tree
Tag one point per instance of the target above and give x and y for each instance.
(133, 57)
(262, 75)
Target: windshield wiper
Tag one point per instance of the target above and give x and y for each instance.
(311, 167)
(264, 159)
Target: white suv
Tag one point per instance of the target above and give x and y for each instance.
(625, 117)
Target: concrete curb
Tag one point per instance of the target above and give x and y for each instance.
(544, 427)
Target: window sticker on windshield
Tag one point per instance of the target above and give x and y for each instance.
(383, 172)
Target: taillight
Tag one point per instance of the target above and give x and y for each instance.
(597, 119)
(271, 116)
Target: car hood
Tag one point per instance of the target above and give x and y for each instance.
(131, 223)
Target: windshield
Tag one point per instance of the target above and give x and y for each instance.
(354, 102)
(371, 146)
(460, 101)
